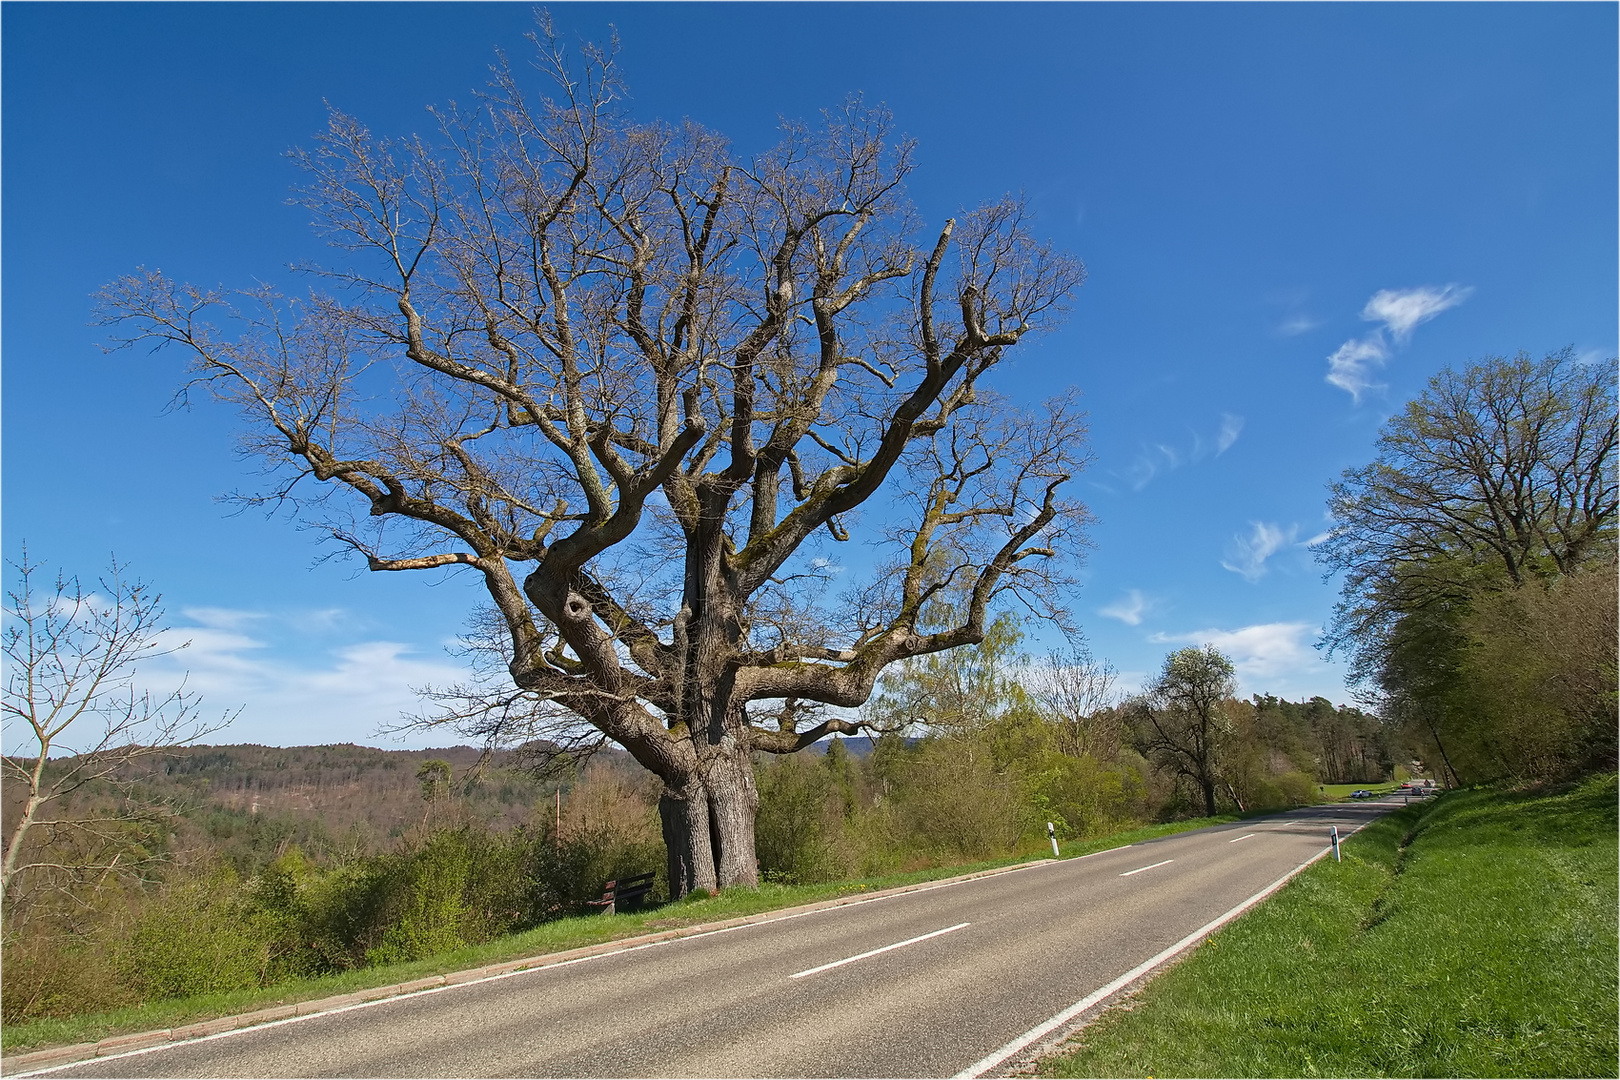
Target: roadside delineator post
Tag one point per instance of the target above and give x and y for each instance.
(1336, 855)
(1051, 834)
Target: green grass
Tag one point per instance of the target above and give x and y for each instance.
(1471, 936)
(551, 937)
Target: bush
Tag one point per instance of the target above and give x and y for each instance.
(799, 819)
(203, 934)
(1083, 797)
(950, 803)
(45, 975)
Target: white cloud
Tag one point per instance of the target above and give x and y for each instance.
(221, 618)
(1265, 651)
(1129, 609)
(1319, 538)
(1352, 365)
(1247, 555)
(1401, 310)
(1159, 457)
(288, 697)
(1295, 325)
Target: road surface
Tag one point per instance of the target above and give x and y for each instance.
(932, 982)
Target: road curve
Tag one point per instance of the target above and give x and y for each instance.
(930, 982)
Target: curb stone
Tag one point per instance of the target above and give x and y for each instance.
(116, 1044)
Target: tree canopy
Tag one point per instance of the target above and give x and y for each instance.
(1494, 487)
(637, 383)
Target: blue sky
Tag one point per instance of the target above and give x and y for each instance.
(1292, 216)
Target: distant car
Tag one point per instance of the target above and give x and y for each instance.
(1362, 794)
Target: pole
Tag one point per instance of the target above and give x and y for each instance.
(1051, 834)
(1336, 856)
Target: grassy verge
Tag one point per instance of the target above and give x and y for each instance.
(551, 937)
(1471, 936)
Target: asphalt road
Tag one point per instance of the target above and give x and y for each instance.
(924, 983)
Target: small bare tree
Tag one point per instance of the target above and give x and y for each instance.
(637, 385)
(1077, 691)
(74, 719)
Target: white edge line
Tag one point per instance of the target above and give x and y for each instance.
(874, 952)
(1244, 837)
(1155, 866)
(984, 1065)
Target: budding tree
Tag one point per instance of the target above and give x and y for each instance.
(1182, 725)
(640, 386)
(75, 720)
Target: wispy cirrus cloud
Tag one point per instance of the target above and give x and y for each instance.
(1353, 366)
(1246, 555)
(1403, 310)
(1295, 325)
(1128, 609)
(1156, 458)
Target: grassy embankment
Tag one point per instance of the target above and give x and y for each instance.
(557, 936)
(1471, 936)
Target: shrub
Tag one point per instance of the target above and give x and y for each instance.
(800, 815)
(47, 975)
(202, 934)
(950, 802)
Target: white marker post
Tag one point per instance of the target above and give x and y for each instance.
(1051, 834)
(1336, 856)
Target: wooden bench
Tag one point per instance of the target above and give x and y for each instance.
(629, 892)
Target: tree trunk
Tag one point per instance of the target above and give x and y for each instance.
(1456, 781)
(1208, 784)
(733, 803)
(684, 813)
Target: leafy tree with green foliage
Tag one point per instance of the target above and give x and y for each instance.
(1181, 721)
(1498, 478)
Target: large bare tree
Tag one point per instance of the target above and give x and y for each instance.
(640, 386)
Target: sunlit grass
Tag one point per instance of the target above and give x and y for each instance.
(1470, 936)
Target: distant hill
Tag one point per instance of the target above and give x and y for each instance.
(859, 745)
(250, 802)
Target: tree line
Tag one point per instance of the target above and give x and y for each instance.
(1478, 554)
